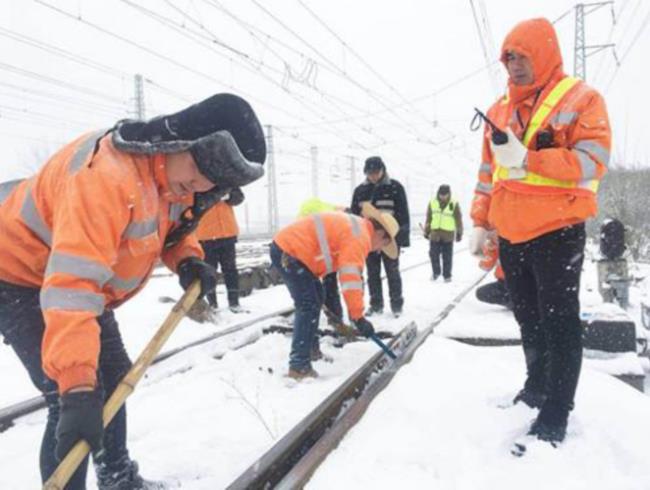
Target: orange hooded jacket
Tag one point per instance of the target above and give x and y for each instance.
(87, 232)
(332, 242)
(582, 140)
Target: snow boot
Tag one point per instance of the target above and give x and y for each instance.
(553, 434)
(550, 424)
(127, 478)
(531, 398)
(300, 374)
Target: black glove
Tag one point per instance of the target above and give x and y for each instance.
(364, 327)
(80, 418)
(459, 237)
(193, 268)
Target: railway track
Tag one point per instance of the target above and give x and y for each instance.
(9, 414)
(293, 459)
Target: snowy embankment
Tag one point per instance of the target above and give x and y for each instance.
(201, 421)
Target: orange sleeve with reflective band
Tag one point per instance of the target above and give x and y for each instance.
(351, 261)
(92, 212)
(482, 192)
(586, 153)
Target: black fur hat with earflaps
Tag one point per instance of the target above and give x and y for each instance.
(222, 133)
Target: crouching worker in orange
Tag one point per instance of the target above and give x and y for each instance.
(496, 292)
(321, 244)
(82, 236)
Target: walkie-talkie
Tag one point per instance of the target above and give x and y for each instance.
(499, 137)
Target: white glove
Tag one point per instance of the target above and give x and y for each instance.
(477, 239)
(511, 154)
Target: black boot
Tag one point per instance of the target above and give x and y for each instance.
(126, 478)
(531, 398)
(550, 424)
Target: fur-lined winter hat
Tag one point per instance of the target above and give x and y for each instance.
(222, 133)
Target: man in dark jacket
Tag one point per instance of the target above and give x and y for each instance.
(388, 195)
(444, 223)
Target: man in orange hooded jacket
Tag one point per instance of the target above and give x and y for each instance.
(82, 236)
(321, 244)
(537, 189)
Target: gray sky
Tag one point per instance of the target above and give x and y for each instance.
(386, 85)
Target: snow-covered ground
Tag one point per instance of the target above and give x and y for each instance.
(438, 425)
(202, 421)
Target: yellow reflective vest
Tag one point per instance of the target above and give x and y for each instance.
(443, 219)
(552, 100)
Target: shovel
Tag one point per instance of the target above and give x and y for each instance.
(350, 332)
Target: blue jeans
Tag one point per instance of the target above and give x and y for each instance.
(21, 324)
(307, 293)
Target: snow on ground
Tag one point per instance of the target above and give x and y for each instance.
(438, 426)
(204, 416)
(198, 419)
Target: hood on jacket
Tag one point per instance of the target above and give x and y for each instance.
(536, 40)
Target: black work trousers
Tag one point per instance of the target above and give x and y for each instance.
(21, 324)
(373, 263)
(543, 279)
(444, 250)
(221, 252)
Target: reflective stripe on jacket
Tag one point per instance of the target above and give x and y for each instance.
(442, 219)
(332, 242)
(88, 235)
(541, 116)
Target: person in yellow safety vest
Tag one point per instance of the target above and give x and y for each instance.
(444, 223)
(537, 187)
(332, 299)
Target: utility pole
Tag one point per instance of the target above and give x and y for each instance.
(581, 50)
(139, 97)
(272, 186)
(314, 171)
(353, 183)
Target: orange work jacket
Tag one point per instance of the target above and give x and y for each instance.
(332, 242)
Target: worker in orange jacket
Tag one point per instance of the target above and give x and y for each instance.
(217, 232)
(537, 186)
(320, 244)
(82, 236)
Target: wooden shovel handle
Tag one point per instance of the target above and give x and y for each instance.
(73, 459)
